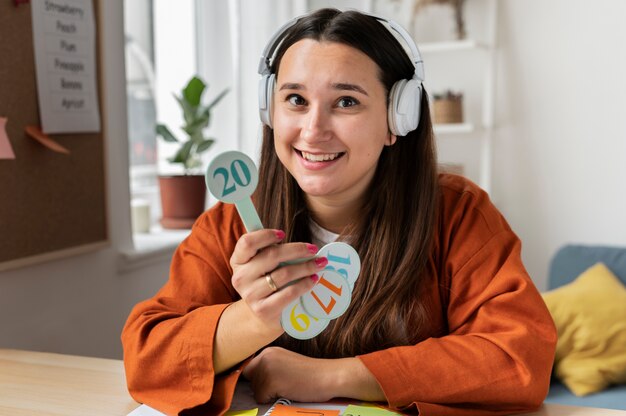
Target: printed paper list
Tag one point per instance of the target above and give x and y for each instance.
(64, 38)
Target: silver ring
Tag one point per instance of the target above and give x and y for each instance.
(270, 282)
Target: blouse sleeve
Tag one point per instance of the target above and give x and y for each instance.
(497, 355)
(168, 339)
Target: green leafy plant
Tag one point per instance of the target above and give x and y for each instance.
(197, 117)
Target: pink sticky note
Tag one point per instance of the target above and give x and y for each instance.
(6, 150)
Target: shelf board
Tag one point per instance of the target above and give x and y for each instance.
(451, 46)
(453, 128)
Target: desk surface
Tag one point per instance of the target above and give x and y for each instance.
(36, 383)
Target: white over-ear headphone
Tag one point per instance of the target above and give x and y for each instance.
(404, 98)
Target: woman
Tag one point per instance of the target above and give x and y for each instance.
(444, 318)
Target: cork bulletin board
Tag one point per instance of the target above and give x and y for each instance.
(51, 204)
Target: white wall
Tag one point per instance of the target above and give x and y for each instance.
(558, 176)
(560, 168)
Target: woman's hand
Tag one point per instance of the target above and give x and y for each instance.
(277, 372)
(253, 322)
(255, 262)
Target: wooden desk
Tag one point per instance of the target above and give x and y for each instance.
(36, 384)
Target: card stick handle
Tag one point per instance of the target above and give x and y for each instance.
(249, 214)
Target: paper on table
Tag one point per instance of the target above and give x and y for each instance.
(243, 404)
(287, 407)
(6, 151)
(251, 412)
(341, 407)
(285, 410)
(145, 410)
(369, 410)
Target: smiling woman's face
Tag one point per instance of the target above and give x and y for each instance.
(330, 118)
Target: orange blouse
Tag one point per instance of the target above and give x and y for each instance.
(496, 356)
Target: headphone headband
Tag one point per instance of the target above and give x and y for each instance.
(418, 63)
(268, 52)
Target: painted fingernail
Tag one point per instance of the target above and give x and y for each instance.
(312, 248)
(321, 262)
(314, 277)
(279, 234)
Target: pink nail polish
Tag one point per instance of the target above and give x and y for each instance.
(312, 248)
(314, 277)
(280, 234)
(321, 261)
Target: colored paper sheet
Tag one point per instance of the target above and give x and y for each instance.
(283, 410)
(6, 150)
(43, 138)
(145, 410)
(251, 412)
(368, 410)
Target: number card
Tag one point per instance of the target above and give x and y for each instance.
(330, 297)
(299, 324)
(232, 178)
(344, 259)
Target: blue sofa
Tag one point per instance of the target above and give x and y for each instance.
(569, 262)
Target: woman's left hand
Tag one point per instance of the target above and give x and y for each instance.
(277, 372)
(280, 373)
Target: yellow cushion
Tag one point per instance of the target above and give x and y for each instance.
(590, 317)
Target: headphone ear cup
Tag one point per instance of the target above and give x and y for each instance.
(403, 114)
(266, 92)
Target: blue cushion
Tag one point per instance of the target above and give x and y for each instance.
(566, 265)
(571, 260)
(611, 398)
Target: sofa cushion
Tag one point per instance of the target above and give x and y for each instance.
(573, 259)
(590, 316)
(613, 397)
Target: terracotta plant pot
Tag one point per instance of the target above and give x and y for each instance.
(182, 200)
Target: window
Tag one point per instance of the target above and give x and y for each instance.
(160, 57)
(141, 105)
(168, 42)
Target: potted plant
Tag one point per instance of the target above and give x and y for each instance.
(183, 196)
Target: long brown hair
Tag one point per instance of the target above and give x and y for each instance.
(394, 233)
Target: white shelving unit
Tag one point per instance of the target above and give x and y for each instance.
(456, 128)
(482, 128)
(452, 46)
